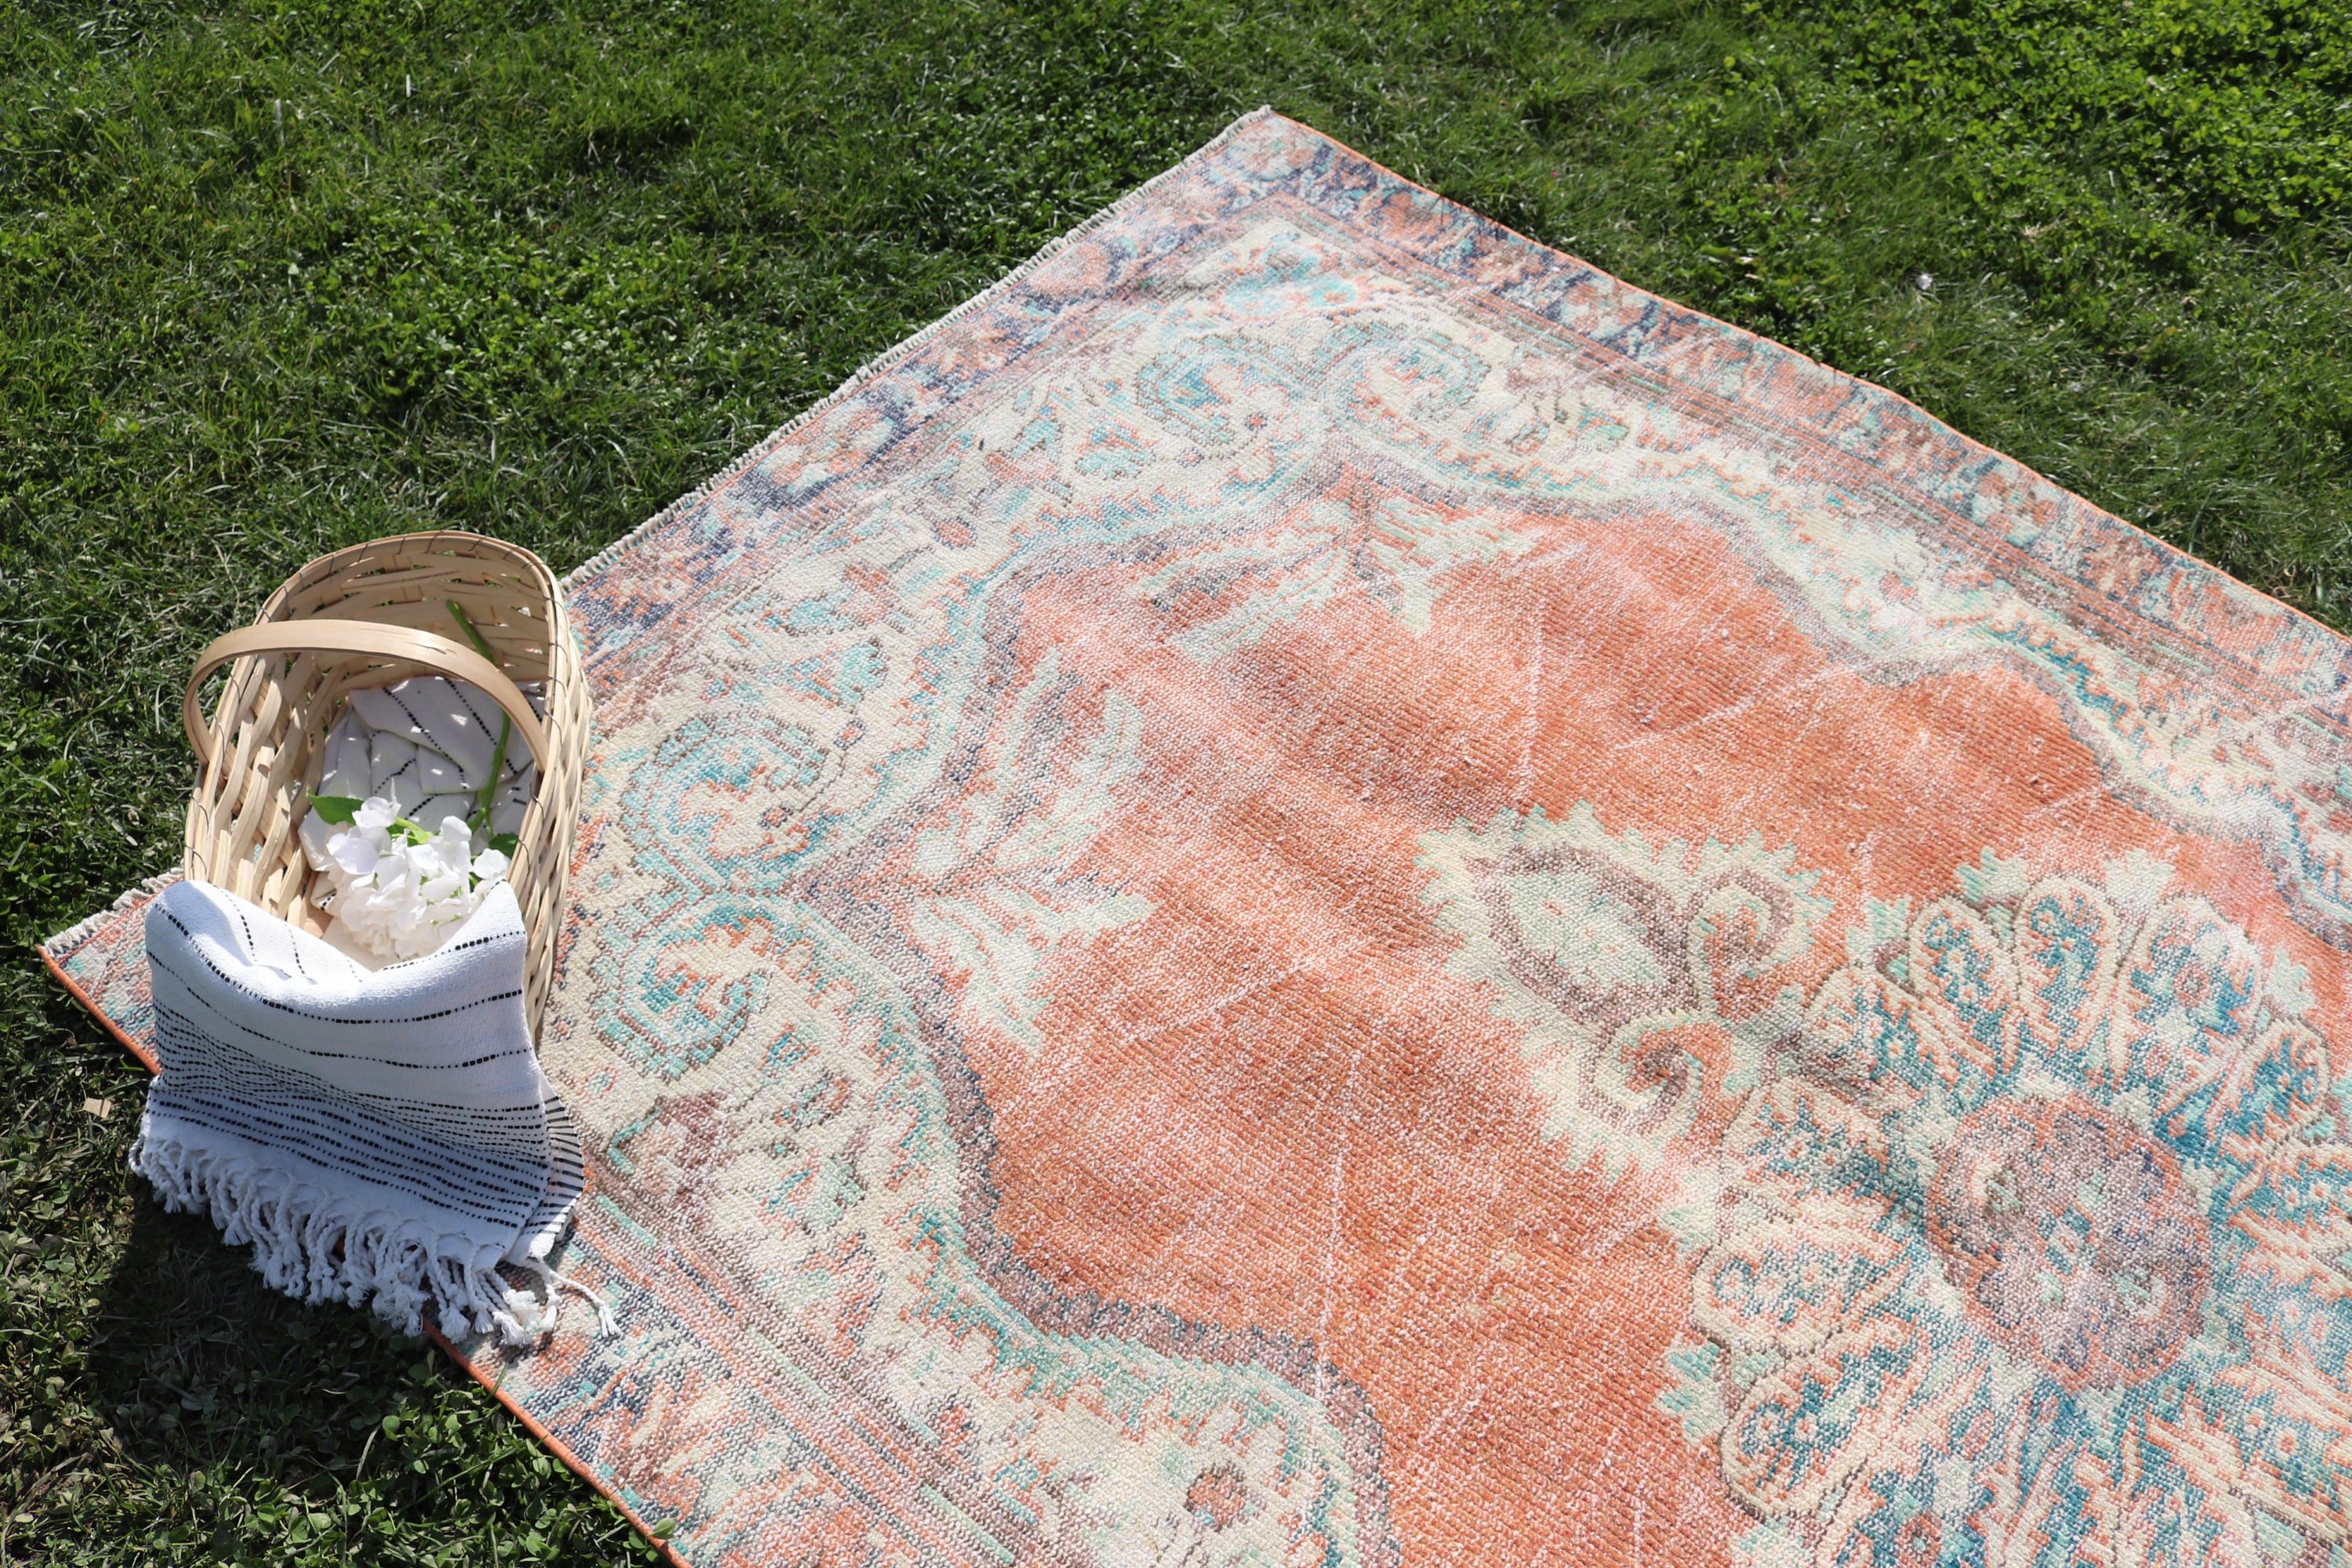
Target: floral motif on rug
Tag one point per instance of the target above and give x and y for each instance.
(2035, 1245)
(1638, 971)
(1287, 896)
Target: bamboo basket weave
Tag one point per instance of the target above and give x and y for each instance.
(365, 616)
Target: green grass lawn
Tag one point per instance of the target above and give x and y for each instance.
(277, 277)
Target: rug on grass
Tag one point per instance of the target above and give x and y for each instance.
(1316, 887)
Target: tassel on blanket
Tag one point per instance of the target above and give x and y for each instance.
(380, 1138)
(321, 1250)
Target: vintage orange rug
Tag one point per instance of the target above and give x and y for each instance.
(1318, 888)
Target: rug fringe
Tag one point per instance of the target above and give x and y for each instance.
(59, 946)
(905, 346)
(317, 1248)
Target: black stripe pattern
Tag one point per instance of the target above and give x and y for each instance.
(393, 1120)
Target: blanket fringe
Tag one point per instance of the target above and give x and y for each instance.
(317, 1248)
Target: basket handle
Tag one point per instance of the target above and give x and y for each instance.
(374, 640)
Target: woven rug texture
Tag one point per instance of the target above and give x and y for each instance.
(1318, 888)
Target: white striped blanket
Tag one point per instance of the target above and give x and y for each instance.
(380, 1137)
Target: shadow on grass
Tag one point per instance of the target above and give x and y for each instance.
(203, 1366)
(279, 1433)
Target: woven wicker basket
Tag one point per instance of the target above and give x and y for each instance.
(365, 616)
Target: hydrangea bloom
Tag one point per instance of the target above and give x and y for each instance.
(399, 891)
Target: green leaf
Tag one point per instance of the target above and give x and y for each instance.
(505, 843)
(335, 808)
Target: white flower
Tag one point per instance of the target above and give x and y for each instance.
(398, 892)
(354, 852)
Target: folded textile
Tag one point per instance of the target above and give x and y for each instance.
(383, 1138)
(426, 744)
(424, 750)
